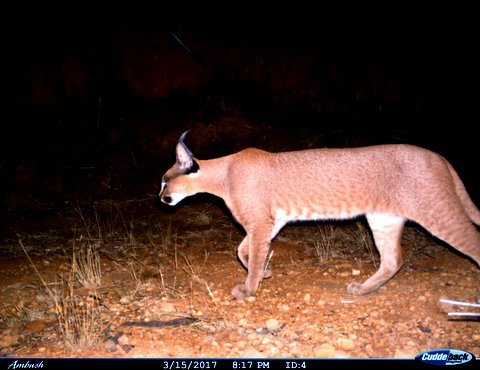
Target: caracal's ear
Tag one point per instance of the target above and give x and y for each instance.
(185, 160)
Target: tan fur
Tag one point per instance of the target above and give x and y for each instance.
(387, 183)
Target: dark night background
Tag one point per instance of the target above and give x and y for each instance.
(92, 108)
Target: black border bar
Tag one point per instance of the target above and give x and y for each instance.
(216, 364)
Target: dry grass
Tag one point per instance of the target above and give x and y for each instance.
(199, 218)
(86, 265)
(192, 270)
(19, 313)
(365, 238)
(78, 314)
(332, 241)
(79, 317)
(325, 246)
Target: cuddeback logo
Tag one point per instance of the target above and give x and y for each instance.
(445, 356)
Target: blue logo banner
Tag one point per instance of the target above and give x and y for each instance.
(445, 356)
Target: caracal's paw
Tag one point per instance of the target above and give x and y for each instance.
(356, 288)
(239, 291)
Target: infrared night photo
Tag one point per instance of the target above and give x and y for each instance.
(247, 190)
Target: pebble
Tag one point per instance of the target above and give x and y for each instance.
(405, 353)
(272, 324)
(167, 307)
(341, 354)
(273, 351)
(324, 350)
(110, 345)
(345, 344)
(123, 340)
(307, 298)
(252, 352)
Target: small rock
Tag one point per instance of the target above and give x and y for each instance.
(251, 336)
(341, 354)
(307, 298)
(123, 340)
(321, 302)
(252, 352)
(41, 349)
(345, 344)
(110, 345)
(272, 324)
(273, 351)
(355, 272)
(324, 350)
(167, 307)
(405, 353)
(242, 322)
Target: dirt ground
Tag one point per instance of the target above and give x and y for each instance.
(165, 276)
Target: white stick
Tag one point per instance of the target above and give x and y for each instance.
(458, 303)
(467, 314)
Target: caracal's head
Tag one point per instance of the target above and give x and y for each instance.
(179, 181)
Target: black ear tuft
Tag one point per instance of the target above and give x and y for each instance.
(181, 142)
(193, 168)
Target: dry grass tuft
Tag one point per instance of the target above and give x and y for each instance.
(78, 315)
(18, 314)
(86, 265)
(325, 246)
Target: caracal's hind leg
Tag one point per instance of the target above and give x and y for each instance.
(387, 232)
(458, 231)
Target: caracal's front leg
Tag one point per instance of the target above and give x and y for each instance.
(243, 257)
(257, 243)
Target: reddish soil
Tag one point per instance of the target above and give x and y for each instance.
(167, 276)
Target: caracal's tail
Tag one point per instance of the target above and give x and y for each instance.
(470, 208)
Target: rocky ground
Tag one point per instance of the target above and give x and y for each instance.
(128, 278)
